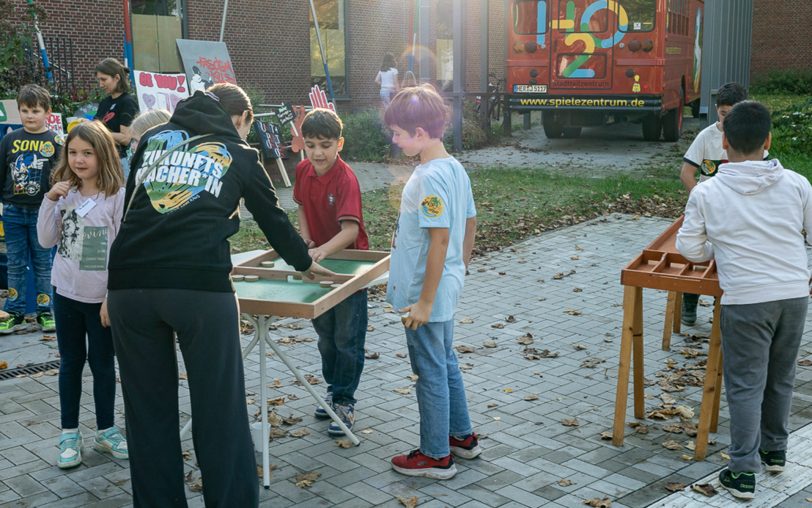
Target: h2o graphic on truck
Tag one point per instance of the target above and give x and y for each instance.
(590, 62)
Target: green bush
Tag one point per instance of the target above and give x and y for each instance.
(792, 130)
(365, 138)
(784, 82)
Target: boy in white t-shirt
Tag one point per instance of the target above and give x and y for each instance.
(706, 154)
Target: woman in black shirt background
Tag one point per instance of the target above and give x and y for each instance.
(118, 109)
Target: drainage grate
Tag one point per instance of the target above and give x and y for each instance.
(28, 370)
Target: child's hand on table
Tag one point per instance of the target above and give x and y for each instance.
(317, 270)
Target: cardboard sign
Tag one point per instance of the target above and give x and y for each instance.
(284, 114)
(54, 122)
(318, 99)
(269, 136)
(205, 63)
(297, 141)
(9, 112)
(160, 91)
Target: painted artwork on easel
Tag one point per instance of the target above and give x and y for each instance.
(205, 63)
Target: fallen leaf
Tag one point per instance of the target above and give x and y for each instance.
(186, 454)
(403, 391)
(194, 484)
(573, 312)
(690, 445)
(408, 502)
(686, 458)
(490, 343)
(684, 412)
(3, 364)
(276, 402)
(271, 468)
(597, 502)
(412, 377)
(806, 362)
(498, 325)
(668, 399)
(591, 363)
(639, 428)
(576, 290)
(463, 349)
(366, 431)
(531, 353)
(606, 435)
(370, 328)
(183, 375)
(675, 428)
(306, 480)
(510, 319)
(531, 396)
(579, 347)
(507, 390)
(466, 321)
(278, 433)
(808, 500)
(575, 258)
(570, 422)
(374, 355)
(704, 489)
(299, 433)
(291, 420)
(277, 383)
(564, 482)
(689, 352)
(492, 405)
(724, 456)
(466, 366)
(344, 443)
(526, 339)
(48, 338)
(313, 380)
(674, 486)
(401, 355)
(672, 445)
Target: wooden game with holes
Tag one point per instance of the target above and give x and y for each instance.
(267, 285)
(660, 266)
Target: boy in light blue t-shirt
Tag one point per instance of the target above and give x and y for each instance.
(431, 249)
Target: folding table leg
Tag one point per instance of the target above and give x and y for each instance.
(710, 391)
(668, 322)
(637, 353)
(630, 295)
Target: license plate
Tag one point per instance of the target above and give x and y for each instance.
(529, 88)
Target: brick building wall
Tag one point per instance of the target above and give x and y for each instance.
(782, 36)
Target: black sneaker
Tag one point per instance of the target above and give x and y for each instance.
(741, 485)
(773, 461)
(12, 323)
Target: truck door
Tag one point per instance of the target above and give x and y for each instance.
(582, 37)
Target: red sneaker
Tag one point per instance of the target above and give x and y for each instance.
(467, 448)
(417, 464)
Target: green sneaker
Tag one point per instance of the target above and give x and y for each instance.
(113, 442)
(12, 323)
(774, 462)
(741, 485)
(70, 450)
(46, 322)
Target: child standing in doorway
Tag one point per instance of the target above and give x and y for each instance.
(82, 215)
(431, 250)
(331, 219)
(27, 157)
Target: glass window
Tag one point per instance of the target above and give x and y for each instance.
(530, 17)
(155, 25)
(569, 14)
(641, 14)
(332, 25)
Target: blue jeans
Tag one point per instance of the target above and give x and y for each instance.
(342, 333)
(21, 244)
(75, 321)
(440, 390)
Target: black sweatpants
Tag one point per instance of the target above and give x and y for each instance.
(207, 325)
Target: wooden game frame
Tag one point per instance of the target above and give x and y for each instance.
(347, 284)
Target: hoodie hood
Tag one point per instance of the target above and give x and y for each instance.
(750, 177)
(202, 114)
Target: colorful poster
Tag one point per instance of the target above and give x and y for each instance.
(269, 136)
(205, 63)
(160, 91)
(54, 122)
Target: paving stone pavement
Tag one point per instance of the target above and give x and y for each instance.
(561, 287)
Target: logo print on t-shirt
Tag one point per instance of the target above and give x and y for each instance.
(432, 206)
(709, 167)
(108, 116)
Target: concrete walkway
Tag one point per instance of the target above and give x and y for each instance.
(561, 290)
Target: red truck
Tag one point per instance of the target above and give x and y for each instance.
(594, 62)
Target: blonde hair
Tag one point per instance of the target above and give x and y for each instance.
(111, 177)
(147, 120)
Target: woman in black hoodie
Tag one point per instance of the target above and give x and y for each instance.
(169, 271)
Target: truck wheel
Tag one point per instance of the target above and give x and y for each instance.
(695, 108)
(672, 123)
(572, 132)
(652, 126)
(552, 127)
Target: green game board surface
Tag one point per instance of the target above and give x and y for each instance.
(342, 266)
(280, 291)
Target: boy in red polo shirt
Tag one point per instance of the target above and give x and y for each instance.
(330, 219)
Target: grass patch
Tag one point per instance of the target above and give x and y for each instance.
(515, 204)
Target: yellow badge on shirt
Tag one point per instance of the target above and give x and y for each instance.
(432, 206)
